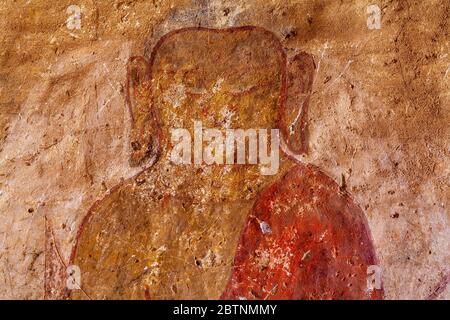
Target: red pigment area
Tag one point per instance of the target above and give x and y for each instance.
(304, 239)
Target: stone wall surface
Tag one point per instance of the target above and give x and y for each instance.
(377, 125)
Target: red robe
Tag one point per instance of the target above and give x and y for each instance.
(304, 239)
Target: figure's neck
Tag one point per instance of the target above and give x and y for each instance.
(209, 182)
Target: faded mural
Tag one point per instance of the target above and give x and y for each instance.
(337, 188)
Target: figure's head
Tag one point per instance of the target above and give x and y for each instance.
(236, 78)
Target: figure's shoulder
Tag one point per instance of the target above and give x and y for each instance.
(304, 192)
(303, 181)
(309, 176)
(120, 200)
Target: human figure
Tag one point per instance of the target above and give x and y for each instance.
(210, 231)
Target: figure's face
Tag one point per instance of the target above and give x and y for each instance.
(227, 79)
